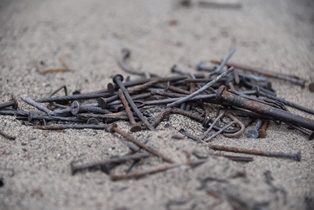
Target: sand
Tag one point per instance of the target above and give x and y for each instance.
(89, 35)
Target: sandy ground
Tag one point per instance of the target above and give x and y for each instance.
(88, 35)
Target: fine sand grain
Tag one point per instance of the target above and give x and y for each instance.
(88, 36)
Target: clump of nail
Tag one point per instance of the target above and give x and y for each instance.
(224, 99)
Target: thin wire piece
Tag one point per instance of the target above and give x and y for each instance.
(183, 99)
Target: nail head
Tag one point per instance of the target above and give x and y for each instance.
(117, 78)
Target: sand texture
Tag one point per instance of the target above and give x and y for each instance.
(88, 36)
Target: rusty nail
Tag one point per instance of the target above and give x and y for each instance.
(278, 114)
(296, 156)
(262, 130)
(74, 97)
(289, 78)
(13, 102)
(134, 126)
(117, 79)
(212, 125)
(115, 129)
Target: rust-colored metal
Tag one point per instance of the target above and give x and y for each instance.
(262, 130)
(115, 129)
(70, 126)
(161, 116)
(134, 126)
(176, 89)
(296, 156)
(117, 79)
(278, 114)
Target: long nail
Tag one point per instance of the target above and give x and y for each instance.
(115, 129)
(32, 117)
(168, 94)
(230, 157)
(73, 97)
(310, 134)
(289, 103)
(169, 100)
(13, 102)
(66, 126)
(135, 127)
(296, 156)
(278, 114)
(151, 82)
(103, 102)
(118, 80)
(107, 102)
(19, 113)
(37, 105)
(102, 116)
(176, 89)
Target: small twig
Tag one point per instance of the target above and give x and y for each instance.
(64, 68)
(54, 70)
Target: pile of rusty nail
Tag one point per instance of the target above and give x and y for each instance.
(240, 95)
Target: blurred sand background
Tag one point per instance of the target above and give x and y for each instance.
(89, 36)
